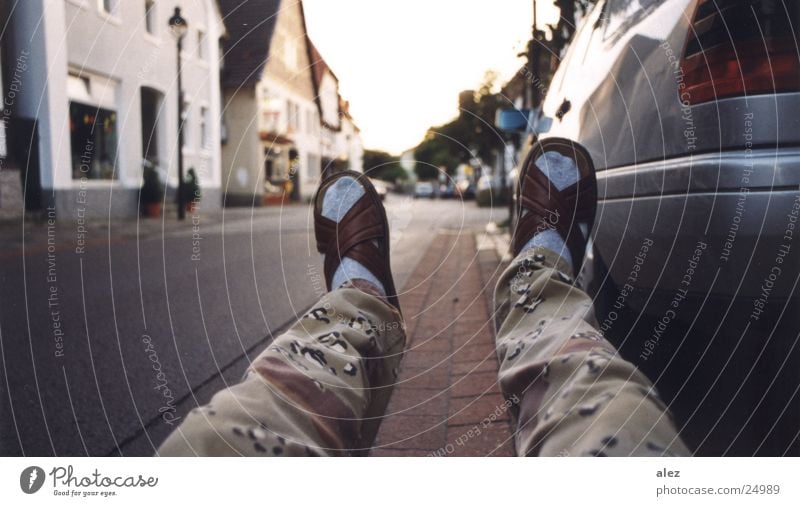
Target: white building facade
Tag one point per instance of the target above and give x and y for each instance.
(328, 100)
(101, 85)
(3, 117)
(349, 140)
(273, 147)
(340, 142)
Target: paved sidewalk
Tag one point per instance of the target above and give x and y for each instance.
(447, 401)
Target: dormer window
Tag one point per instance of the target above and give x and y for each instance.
(109, 6)
(150, 16)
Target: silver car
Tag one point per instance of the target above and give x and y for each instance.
(691, 113)
(424, 190)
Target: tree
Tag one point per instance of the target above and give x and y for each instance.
(432, 153)
(384, 166)
(485, 138)
(471, 133)
(564, 29)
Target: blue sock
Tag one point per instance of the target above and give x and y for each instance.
(339, 198)
(562, 172)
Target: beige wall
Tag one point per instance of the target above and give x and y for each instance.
(288, 60)
(241, 155)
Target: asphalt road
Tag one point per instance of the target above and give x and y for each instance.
(98, 346)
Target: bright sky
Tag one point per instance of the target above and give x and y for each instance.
(402, 64)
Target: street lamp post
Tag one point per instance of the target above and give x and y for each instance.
(533, 61)
(179, 27)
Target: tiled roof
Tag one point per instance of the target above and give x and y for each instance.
(250, 24)
(318, 69)
(318, 64)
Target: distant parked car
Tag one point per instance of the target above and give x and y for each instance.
(487, 183)
(380, 187)
(466, 189)
(424, 190)
(489, 191)
(447, 191)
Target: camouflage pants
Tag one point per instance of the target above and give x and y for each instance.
(577, 395)
(321, 388)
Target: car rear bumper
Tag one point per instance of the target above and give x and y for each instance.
(722, 224)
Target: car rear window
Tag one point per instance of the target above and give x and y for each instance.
(619, 15)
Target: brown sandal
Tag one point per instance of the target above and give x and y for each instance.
(550, 208)
(356, 235)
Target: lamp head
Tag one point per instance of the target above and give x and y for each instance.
(178, 25)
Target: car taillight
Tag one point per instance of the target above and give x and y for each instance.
(741, 47)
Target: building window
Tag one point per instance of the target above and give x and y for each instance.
(621, 13)
(205, 138)
(273, 109)
(276, 164)
(150, 16)
(93, 133)
(293, 116)
(300, 118)
(201, 44)
(152, 120)
(109, 6)
(186, 123)
(92, 125)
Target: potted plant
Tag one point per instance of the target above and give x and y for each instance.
(191, 189)
(151, 195)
